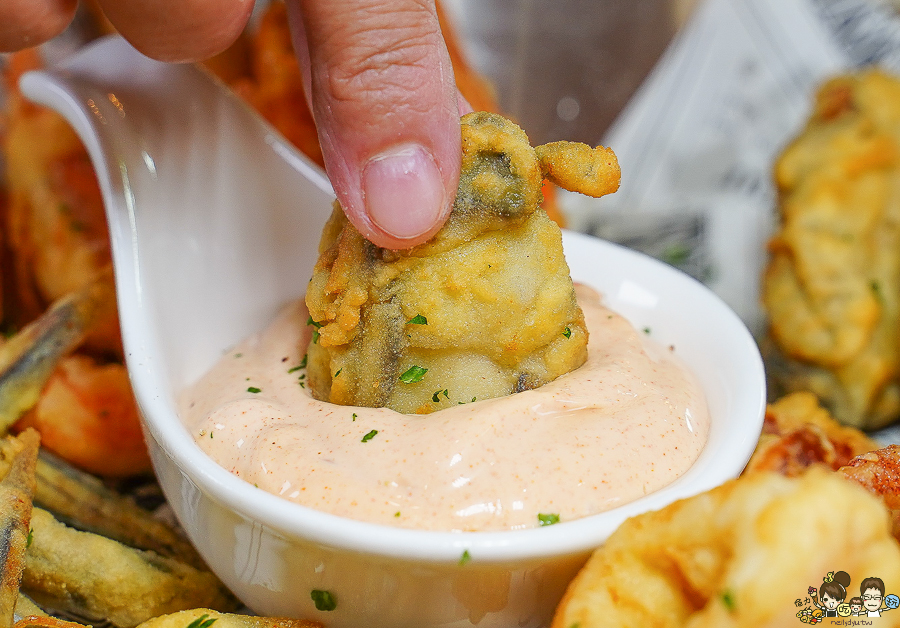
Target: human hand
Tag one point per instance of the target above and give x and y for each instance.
(377, 76)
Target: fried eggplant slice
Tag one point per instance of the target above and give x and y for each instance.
(727, 557)
(98, 578)
(30, 357)
(205, 618)
(832, 285)
(80, 500)
(16, 491)
(485, 308)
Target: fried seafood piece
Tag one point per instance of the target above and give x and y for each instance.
(879, 472)
(485, 308)
(55, 225)
(832, 285)
(729, 557)
(798, 433)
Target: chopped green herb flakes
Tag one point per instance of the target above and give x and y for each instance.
(238, 355)
(338, 371)
(204, 621)
(369, 436)
(317, 326)
(418, 319)
(548, 519)
(31, 538)
(254, 389)
(304, 360)
(435, 398)
(294, 369)
(728, 600)
(354, 416)
(567, 332)
(466, 557)
(413, 374)
(323, 600)
(647, 330)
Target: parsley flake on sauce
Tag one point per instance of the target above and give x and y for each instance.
(294, 369)
(435, 398)
(647, 330)
(418, 319)
(568, 332)
(204, 621)
(338, 371)
(466, 557)
(413, 374)
(324, 600)
(369, 436)
(254, 389)
(548, 519)
(31, 537)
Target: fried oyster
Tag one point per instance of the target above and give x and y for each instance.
(832, 286)
(484, 309)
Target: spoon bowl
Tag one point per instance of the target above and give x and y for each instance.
(215, 222)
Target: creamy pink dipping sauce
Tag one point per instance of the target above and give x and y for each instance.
(628, 422)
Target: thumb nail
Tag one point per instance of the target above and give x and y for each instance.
(404, 191)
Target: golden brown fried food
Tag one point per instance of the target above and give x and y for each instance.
(55, 224)
(798, 433)
(739, 555)
(30, 357)
(97, 577)
(832, 286)
(204, 618)
(85, 503)
(16, 490)
(879, 472)
(484, 309)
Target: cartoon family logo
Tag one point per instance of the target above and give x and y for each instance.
(831, 599)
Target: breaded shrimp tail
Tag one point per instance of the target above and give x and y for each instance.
(485, 308)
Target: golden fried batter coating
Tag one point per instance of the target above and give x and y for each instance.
(798, 433)
(739, 555)
(879, 473)
(832, 286)
(579, 168)
(484, 309)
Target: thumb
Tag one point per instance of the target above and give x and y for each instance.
(382, 92)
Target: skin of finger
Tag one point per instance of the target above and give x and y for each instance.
(27, 23)
(378, 76)
(184, 30)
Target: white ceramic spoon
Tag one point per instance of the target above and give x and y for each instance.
(214, 223)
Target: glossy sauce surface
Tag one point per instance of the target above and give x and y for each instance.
(628, 422)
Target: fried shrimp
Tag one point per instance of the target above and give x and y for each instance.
(739, 555)
(484, 309)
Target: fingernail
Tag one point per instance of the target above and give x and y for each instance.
(404, 191)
